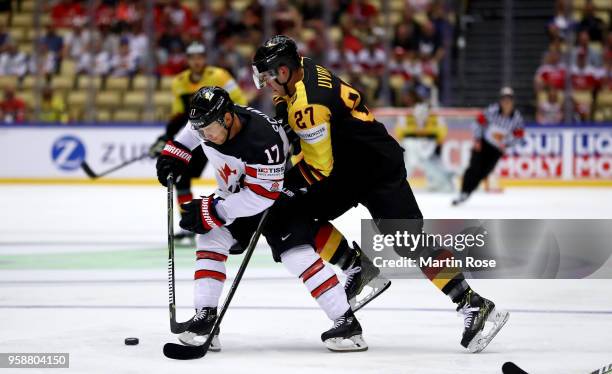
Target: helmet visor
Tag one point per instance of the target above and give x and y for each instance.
(261, 78)
(211, 132)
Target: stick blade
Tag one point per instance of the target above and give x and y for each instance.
(184, 352)
(511, 368)
(90, 173)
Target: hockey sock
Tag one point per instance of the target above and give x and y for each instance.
(319, 279)
(209, 278)
(333, 247)
(449, 280)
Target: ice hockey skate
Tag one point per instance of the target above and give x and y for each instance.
(345, 335)
(482, 321)
(200, 328)
(462, 198)
(363, 281)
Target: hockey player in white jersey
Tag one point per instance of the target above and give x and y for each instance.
(247, 150)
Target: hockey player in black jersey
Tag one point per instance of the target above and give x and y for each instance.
(247, 150)
(348, 158)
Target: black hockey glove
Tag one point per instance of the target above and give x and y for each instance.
(174, 159)
(200, 216)
(156, 148)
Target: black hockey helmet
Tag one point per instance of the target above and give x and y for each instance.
(276, 51)
(209, 104)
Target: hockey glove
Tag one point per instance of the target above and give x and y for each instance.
(174, 159)
(156, 148)
(200, 215)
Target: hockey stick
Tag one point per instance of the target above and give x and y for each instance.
(183, 352)
(93, 175)
(175, 327)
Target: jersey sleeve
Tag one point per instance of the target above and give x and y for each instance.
(188, 137)
(229, 84)
(312, 124)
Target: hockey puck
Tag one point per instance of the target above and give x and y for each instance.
(511, 368)
(131, 341)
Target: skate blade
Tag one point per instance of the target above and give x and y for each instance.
(498, 318)
(194, 340)
(369, 292)
(353, 344)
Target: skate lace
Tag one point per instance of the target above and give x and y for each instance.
(201, 314)
(469, 313)
(339, 322)
(350, 273)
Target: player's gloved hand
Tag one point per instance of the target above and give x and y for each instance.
(174, 159)
(156, 148)
(200, 215)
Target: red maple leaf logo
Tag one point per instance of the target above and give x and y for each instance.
(225, 172)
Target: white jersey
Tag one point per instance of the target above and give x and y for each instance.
(497, 129)
(249, 168)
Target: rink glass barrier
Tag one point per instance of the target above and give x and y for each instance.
(490, 248)
(549, 155)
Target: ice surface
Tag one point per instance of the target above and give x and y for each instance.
(83, 267)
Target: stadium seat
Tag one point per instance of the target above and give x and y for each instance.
(28, 6)
(77, 99)
(141, 83)
(8, 81)
(23, 19)
(108, 99)
(166, 83)
(135, 99)
(604, 99)
(116, 84)
(87, 82)
(162, 98)
(28, 98)
(126, 115)
(103, 116)
(62, 82)
(29, 82)
(68, 67)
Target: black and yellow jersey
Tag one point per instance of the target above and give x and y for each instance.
(338, 133)
(183, 87)
(433, 127)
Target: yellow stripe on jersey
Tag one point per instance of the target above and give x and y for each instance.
(311, 122)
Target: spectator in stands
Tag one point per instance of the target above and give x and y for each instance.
(12, 108)
(175, 62)
(125, 62)
(64, 11)
(286, 19)
(560, 24)
(362, 11)
(52, 107)
(128, 12)
(550, 110)
(551, 73)
(585, 77)
(13, 61)
(312, 14)
(95, 60)
(590, 23)
(407, 32)
(55, 45)
(583, 45)
(104, 14)
(170, 39)
(77, 40)
(44, 63)
(138, 40)
(5, 37)
(179, 15)
(429, 42)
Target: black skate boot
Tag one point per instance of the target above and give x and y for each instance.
(345, 335)
(199, 329)
(476, 311)
(461, 198)
(363, 281)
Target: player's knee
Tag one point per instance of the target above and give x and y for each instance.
(298, 259)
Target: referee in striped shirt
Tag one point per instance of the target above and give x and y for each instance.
(499, 127)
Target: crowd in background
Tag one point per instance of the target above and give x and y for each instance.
(111, 39)
(579, 55)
